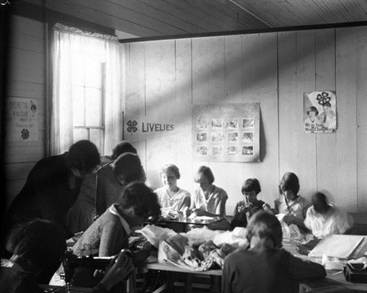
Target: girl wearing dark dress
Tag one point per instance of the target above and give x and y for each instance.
(250, 205)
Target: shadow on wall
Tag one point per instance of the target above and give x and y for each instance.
(262, 138)
(200, 76)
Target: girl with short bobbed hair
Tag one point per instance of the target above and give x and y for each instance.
(208, 199)
(250, 205)
(265, 266)
(291, 204)
(171, 197)
(109, 233)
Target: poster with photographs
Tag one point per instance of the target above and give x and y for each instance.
(319, 112)
(227, 132)
(22, 119)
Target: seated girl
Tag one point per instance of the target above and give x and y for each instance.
(265, 266)
(250, 205)
(324, 219)
(170, 196)
(291, 204)
(208, 199)
(109, 233)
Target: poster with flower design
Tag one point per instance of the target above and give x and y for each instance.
(22, 119)
(319, 112)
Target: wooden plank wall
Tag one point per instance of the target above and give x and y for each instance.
(275, 69)
(26, 80)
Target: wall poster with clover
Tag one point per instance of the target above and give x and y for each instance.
(226, 132)
(319, 112)
(22, 119)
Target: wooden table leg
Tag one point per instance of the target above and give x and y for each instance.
(188, 283)
(131, 283)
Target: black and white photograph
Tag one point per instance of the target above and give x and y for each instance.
(183, 146)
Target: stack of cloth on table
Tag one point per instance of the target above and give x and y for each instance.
(200, 249)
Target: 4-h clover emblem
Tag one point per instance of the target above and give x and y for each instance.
(132, 126)
(323, 99)
(25, 133)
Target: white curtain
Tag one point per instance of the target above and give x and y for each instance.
(72, 53)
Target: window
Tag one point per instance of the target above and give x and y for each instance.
(86, 100)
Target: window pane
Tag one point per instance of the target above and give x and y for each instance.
(96, 136)
(77, 70)
(78, 106)
(93, 73)
(93, 100)
(80, 133)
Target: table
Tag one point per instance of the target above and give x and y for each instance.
(334, 281)
(171, 269)
(62, 289)
(182, 224)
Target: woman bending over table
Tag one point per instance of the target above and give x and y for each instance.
(170, 196)
(109, 233)
(208, 199)
(291, 204)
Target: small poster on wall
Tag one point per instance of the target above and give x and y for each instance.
(22, 119)
(226, 132)
(319, 111)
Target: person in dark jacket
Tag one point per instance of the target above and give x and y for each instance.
(265, 267)
(52, 187)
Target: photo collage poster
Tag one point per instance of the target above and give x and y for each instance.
(319, 112)
(227, 132)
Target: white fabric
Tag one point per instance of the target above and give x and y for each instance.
(333, 222)
(74, 50)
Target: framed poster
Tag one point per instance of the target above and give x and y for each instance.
(22, 119)
(226, 132)
(319, 112)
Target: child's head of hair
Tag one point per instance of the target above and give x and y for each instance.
(83, 156)
(41, 244)
(171, 168)
(139, 198)
(251, 184)
(312, 109)
(127, 168)
(207, 172)
(121, 148)
(265, 228)
(289, 182)
(320, 203)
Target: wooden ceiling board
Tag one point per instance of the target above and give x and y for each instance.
(280, 13)
(227, 12)
(159, 18)
(113, 11)
(200, 14)
(148, 9)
